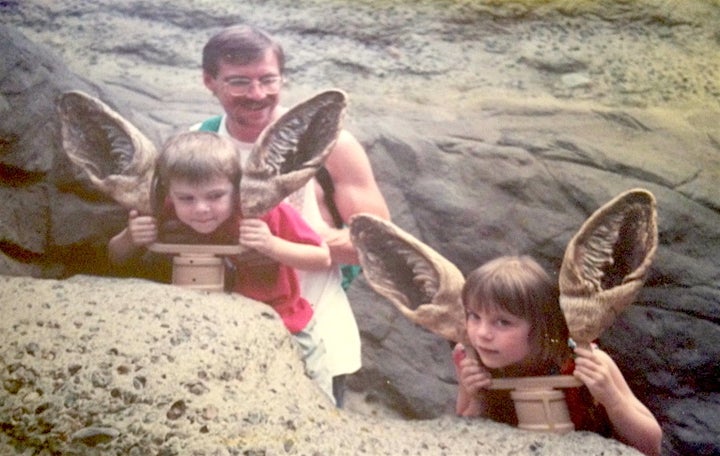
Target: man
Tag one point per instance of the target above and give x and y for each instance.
(244, 68)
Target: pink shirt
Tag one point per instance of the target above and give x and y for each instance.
(276, 284)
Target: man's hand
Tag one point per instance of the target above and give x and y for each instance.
(341, 248)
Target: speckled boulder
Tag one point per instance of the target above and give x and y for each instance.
(91, 366)
(97, 366)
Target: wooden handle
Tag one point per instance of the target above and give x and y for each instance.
(197, 249)
(530, 383)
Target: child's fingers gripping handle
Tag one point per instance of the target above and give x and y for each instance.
(462, 351)
(458, 354)
(471, 353)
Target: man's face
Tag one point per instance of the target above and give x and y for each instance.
(248, 93)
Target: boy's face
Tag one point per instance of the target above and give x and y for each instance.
(500, 338)
(203, 206)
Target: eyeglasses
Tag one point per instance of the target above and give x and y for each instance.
(241, 86)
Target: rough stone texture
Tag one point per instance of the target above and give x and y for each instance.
(27, 227)
(92, 366)
(52, 222)
(520, 185)
(493, 128)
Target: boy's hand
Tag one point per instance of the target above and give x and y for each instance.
(595, 368)
(472, 375)
(142, 229)
(254, 233)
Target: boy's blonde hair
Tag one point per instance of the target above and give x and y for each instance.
(196, 157)
(520, 286)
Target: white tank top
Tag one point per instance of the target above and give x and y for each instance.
(334, 318)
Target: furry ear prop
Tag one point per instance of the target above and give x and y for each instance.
(119, 160)
(604, 267)
(289, 152)
(606, 263)
(116, 157)
(423, 285)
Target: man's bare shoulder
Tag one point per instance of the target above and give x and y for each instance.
(347, 149)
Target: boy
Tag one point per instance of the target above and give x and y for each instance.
(195, 184)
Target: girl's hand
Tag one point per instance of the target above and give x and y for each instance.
(255, 233)
(472, 376)
(596, 370)
(632, 421)
(142, 229)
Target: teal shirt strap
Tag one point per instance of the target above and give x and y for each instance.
(211, 124)
(349, 272)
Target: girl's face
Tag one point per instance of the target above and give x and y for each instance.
(500, 338)
(204, 206)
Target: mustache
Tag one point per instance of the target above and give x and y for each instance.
(256, 104)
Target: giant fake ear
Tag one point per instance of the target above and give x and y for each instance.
(290, 151)
(117, 158)
(424, 286)
(606, 263)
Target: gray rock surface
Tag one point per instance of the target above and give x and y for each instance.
(481, 137)
(521, 185)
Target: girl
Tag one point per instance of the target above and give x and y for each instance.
(516, 326)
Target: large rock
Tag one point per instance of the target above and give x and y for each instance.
(472, 175)
(517, 177)
(92, 366)
(44, 225)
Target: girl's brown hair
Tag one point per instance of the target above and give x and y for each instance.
(520, 286)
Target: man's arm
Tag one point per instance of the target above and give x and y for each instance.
(355, 191)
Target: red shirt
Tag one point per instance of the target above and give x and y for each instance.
(274, 284)
(585, 413)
